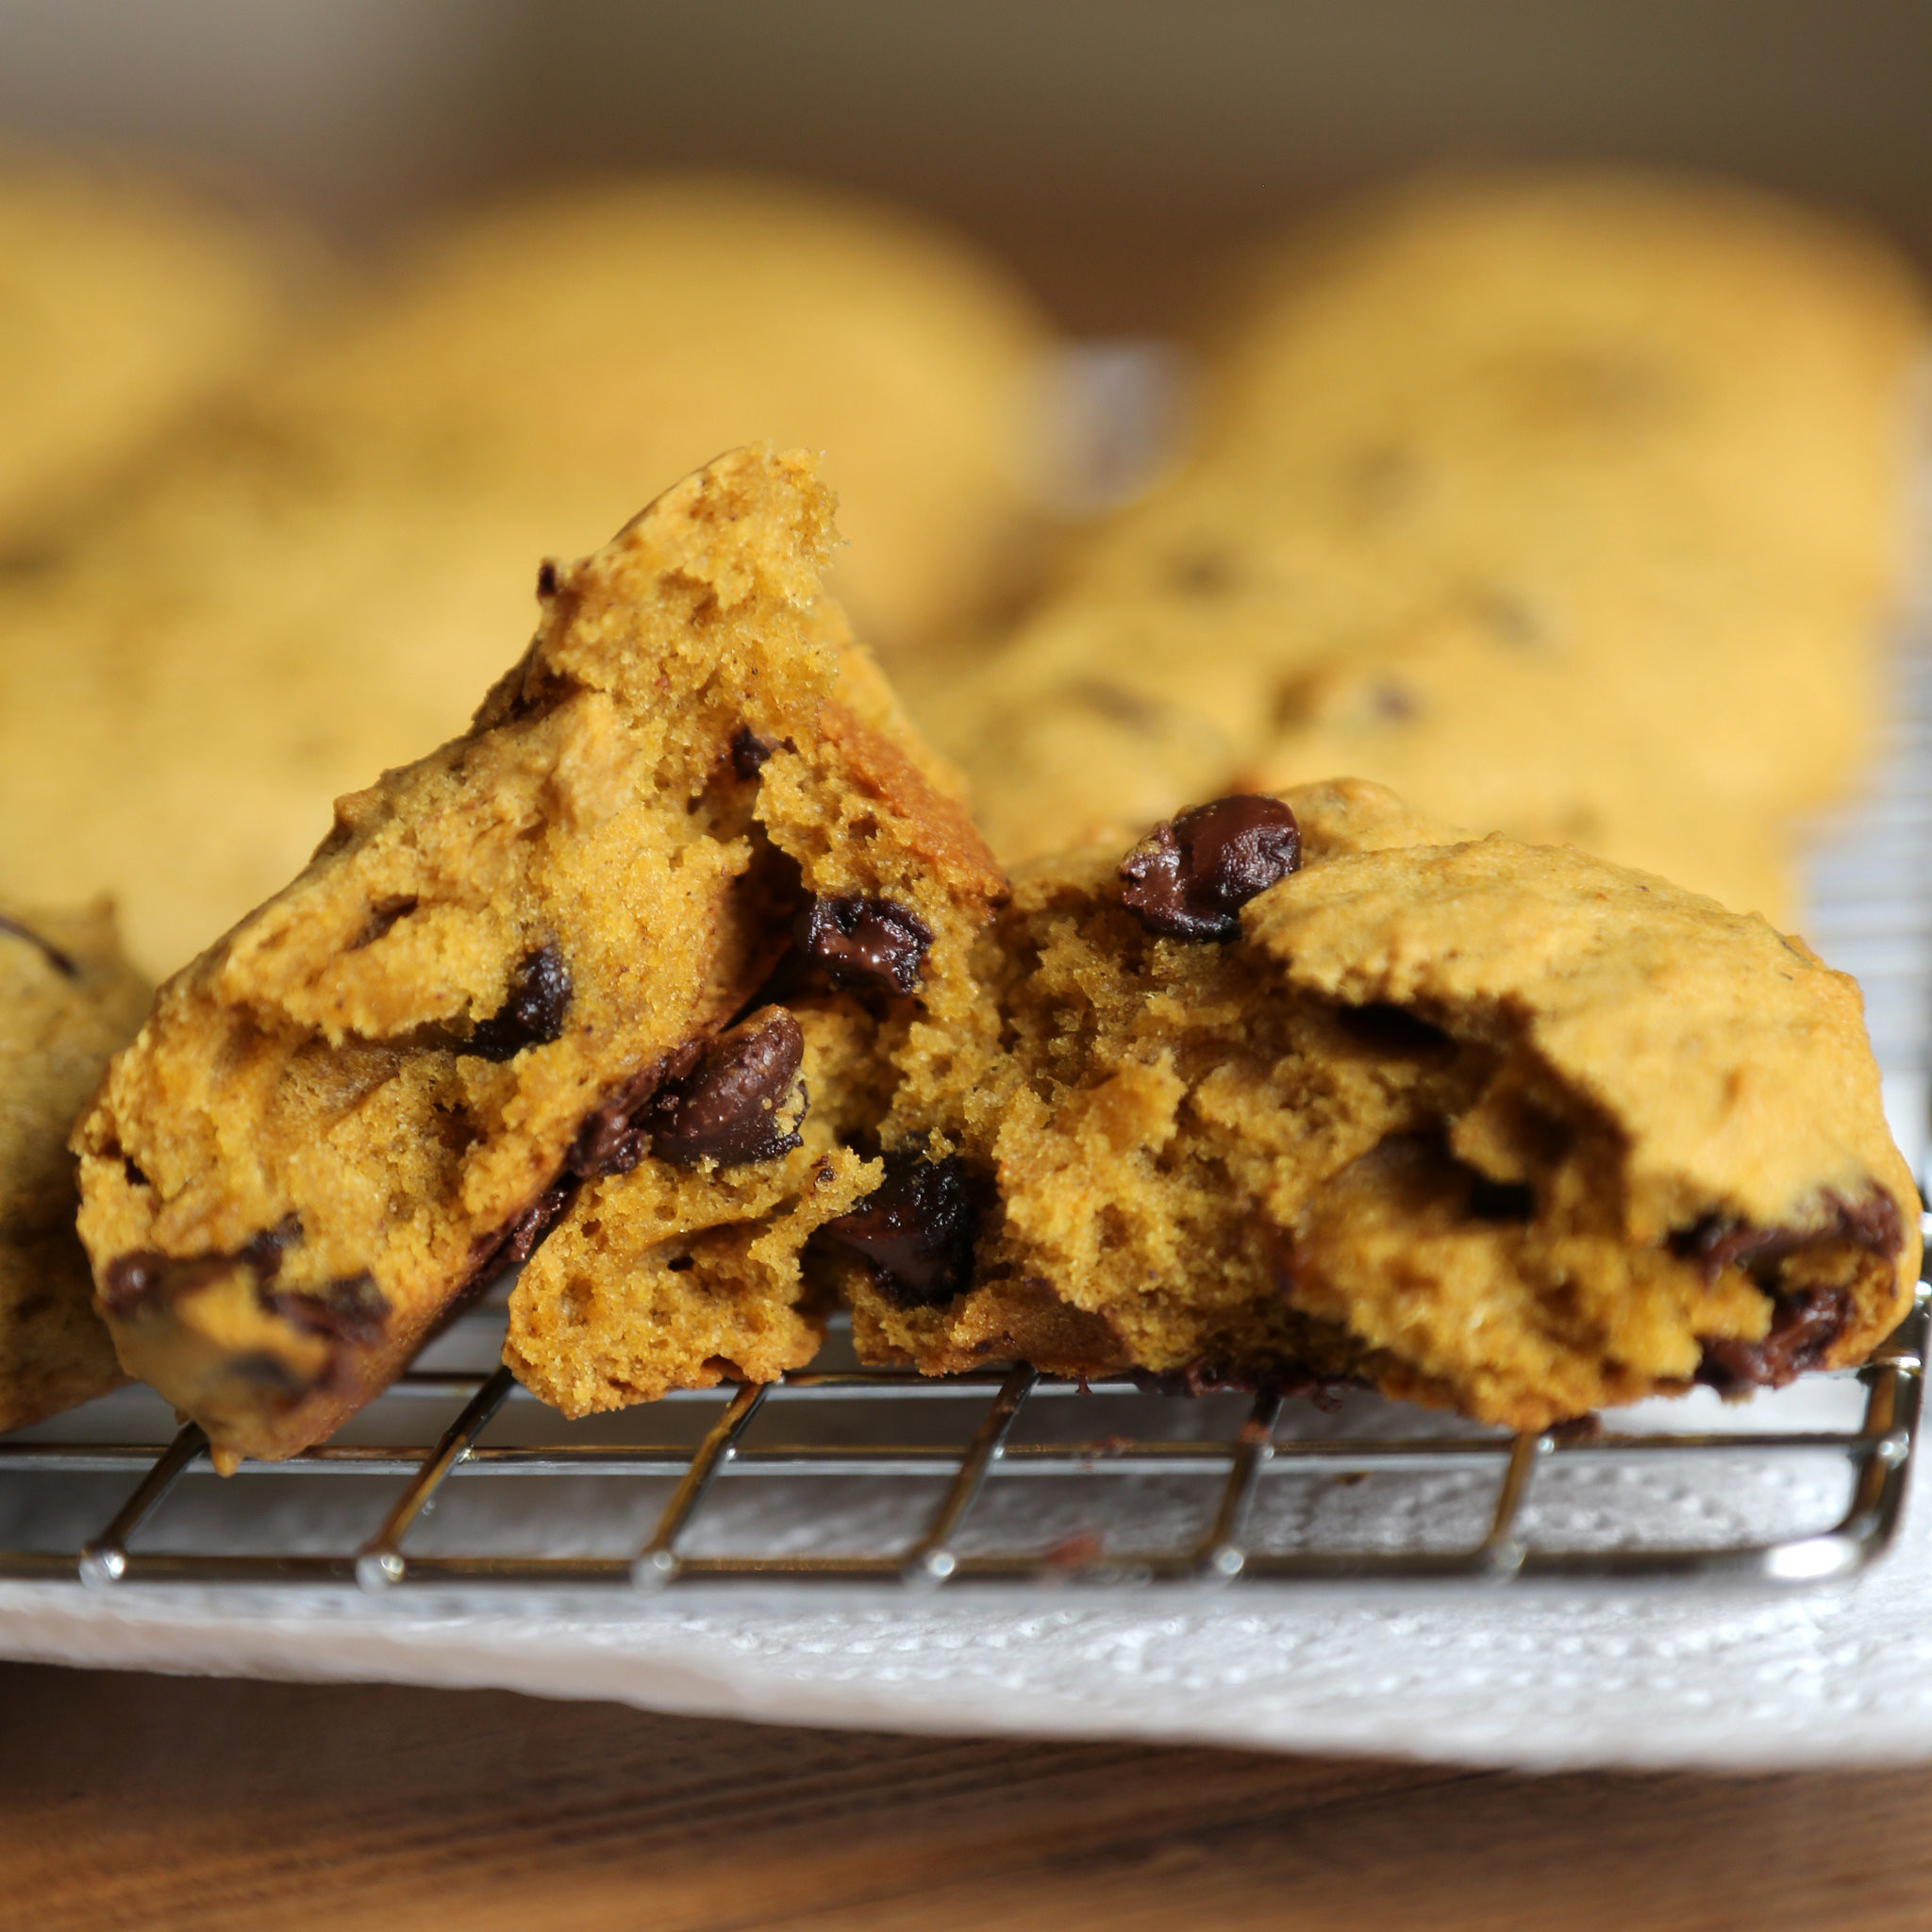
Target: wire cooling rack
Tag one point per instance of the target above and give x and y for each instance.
(1234, 1451)
(855, 1476)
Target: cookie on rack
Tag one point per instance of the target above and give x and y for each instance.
(1313, 1089)
(683, 1263)
(383, 1086)
(68, 1000)
(128, 305)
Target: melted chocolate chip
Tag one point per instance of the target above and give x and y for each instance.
(129, 1281)
(61, 962)
(865, 942)
(351, 1310)
(1716, 1242)
(727, 1109)
(916, 1229)
(546, 579)
(532, 1015)
(1802, 1327)
(513, 1245)
(749, 752)
(1189, 878)
(610, 1141)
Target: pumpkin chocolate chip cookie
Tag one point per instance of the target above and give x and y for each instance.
(67, 1000)
(498, 976)
(1313, 1088)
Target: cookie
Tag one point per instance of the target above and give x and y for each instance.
(1101, 717)
(1311, 1090)
(1574, 505)
(126, 305)
(562, 348)
(686, 1265)
(67, 1000)
(379, 1088)
(1461, 350)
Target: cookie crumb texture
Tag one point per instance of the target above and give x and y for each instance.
(68, 999)
(386, 1084)
(1489, 1126)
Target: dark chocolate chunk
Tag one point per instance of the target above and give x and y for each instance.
(1717, 1242)
(1189, 878)
(1802, 1327)
(610, 1140)
(148, 1275)
(351, 1310)
(546, 579)
(532, 1015)
(916, 1229)
(730, 1107)
(865, 942)
(749, 751)
(63, 963)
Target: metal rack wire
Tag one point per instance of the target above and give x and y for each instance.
(1878, 1451)
(1871, 899)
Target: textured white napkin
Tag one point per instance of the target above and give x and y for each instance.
(1531, 1676)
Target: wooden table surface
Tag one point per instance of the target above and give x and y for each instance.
(152, 1801)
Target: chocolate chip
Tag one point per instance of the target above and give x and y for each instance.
(610, 1141)
(1189, 878)
(546, 579)
(731, 1106)
(916, 1229)
(749, 751)
(61, 962)
(513, 1243)
(1717, 1242)
(146, 1274)
(1802, 1327)
(351, 1309)
(861, 941)
(532, 1015)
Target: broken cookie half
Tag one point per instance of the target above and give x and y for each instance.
(550, 954)
(1310, 1090)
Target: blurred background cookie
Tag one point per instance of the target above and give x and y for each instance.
(565, 349)
(68, 1000)
(1576, 505)
(128, 304)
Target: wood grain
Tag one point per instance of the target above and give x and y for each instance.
(131, 1800)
